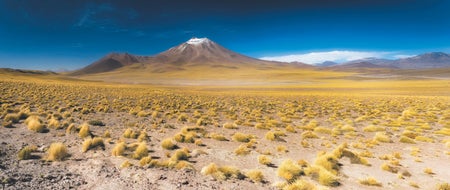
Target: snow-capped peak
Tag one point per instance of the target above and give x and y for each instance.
(196, 41)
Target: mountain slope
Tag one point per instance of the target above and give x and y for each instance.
(424, 61)
(110, 62)
(201, 51)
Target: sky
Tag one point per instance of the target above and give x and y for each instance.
(66, 35)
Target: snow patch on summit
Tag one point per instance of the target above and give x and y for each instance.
(197, 41)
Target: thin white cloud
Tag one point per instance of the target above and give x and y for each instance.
(336, 56)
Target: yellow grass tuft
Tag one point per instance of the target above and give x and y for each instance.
(300, 184)
(370, 181)
(322, 130)
(180, 155)
(255, 175)
(443, 186)
(25, 153)
(242, 150)
(126, 164)
(382, 137)
(428, 171)
(145, 160)
(322, 175)
(54, 123)
(12, 117)
(168, 144)
(264, 160)
(34, 124)
(218, 137)
(309, 135)
(424, 139)
(222, 173)
(119, 149)
(230, 126)
(129, 133)
(289, 170)
(405, 139)
(329, 162)
(141, 151)
(241, 137)
(84, 130)
(389, 168)
(413, 184)
(57, 152)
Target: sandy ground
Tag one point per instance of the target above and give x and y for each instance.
(98, 169)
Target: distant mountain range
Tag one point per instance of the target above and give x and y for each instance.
(205, 53)
(194, 52)
(422, 61)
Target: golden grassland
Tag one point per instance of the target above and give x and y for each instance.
(334, 118)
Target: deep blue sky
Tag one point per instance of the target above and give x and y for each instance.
(54, 34)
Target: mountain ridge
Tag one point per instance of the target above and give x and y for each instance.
(194, 52)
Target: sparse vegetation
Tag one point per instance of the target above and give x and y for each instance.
(168, 144)
(25, 153)
(84, 130)
(57, 152)
(153, 127)
(370, 181)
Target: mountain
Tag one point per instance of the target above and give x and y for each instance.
(357, 65)
(192, 53)
(326, 64)
(201, 51)
(110, 62)
(373, 60)
(424, 61)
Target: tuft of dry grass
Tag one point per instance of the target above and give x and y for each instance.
(35, 124)
(329, 162)
(84, 130)
(413, 184)
(119, 149)
(322, 175)
(443, 186)
(168, 144)
(230, 126)
(141, 151)
(424, 139)
(405, 139)
(289, 170)
(129, 133)
(25, 153)
(145, 160)
(428, 171)
(12, 117)
(180, 155)
(57, 152)
(264, 160)
(300, 184)
(92, 143)
(309, 135)
(241, 137)
(218, 137)
(389, 168)
(255, 175)
(370, 181)
(382, 137)
(126, 164)
(242, 150)
(222, 172)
